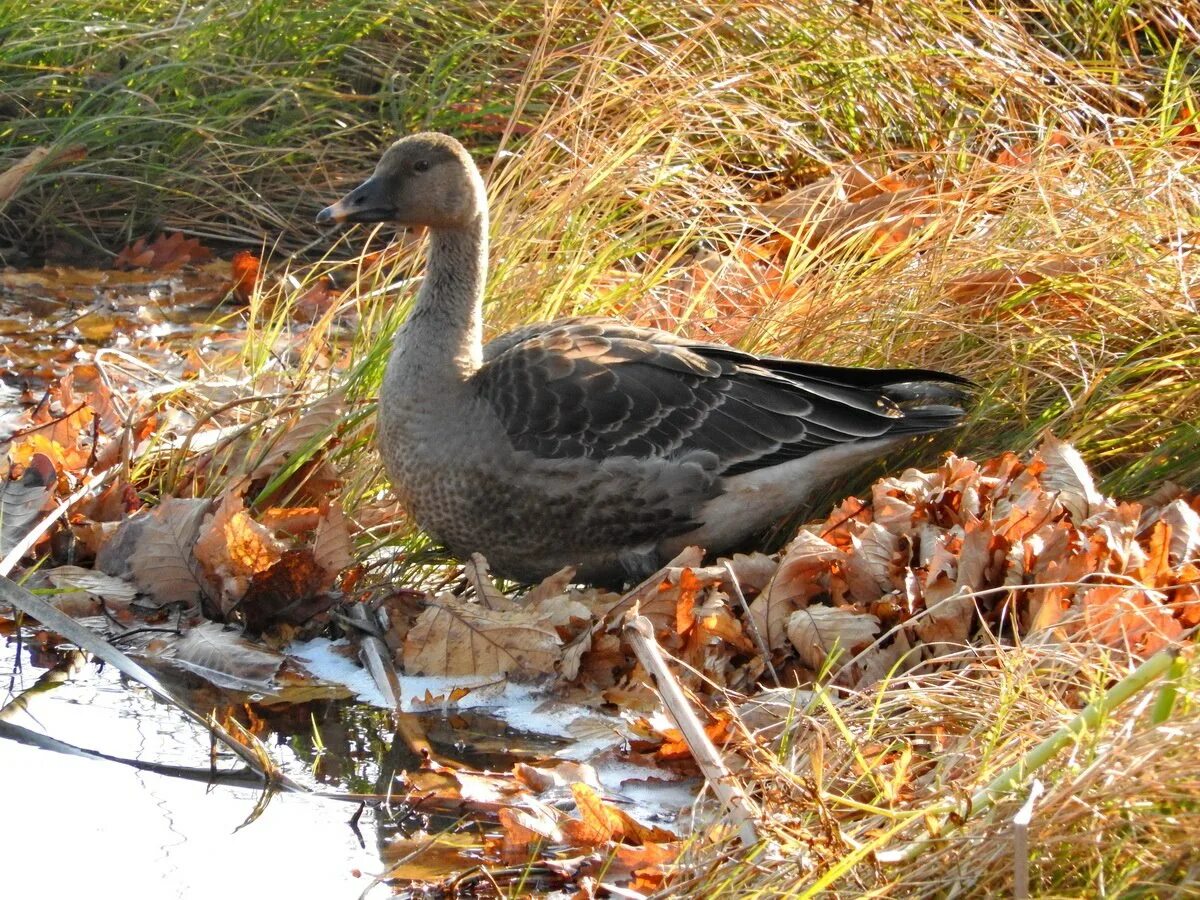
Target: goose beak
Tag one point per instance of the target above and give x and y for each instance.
(366, 203)
(331, 215)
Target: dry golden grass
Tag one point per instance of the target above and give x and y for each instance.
(857, 776)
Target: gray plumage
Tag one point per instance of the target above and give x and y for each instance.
(591, 443)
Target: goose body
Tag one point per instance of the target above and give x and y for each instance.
(586, 442)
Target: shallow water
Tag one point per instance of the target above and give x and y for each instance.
(124, 833)
(131, 834)
(177, 834)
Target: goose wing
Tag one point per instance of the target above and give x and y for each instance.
(592, 388)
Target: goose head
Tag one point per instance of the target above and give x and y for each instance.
(425, 179)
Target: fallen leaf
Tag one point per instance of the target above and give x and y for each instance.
(752, 571)
(1025, 154)
(523, 829)
(454, 637)
(224, 658)
(870, 567)
(333, 548)
(246, 270)
(479, 577)
(309, 431)
(97, 584)
(562, 774)
(1128, 619)
(796, 581)
(644, 865)
(1067, 474)
(232, 547)
(315, 302)
(550, 587)
(815, 631)
(600, 822)
(289, 592)
(163, 563)
(165, 253)
(859, 210)
(1185, 531)
(689, 587)
(23, 499)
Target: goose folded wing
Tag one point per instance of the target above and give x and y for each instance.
(593, 389)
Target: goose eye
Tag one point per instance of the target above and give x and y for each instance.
(421, 165)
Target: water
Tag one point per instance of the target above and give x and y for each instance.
(123, 833)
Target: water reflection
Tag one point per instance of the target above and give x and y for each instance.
(145, 834)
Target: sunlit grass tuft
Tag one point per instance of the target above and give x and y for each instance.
(876, 772)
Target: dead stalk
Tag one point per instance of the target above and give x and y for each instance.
(742, 811)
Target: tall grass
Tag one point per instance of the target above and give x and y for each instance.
(624, 142)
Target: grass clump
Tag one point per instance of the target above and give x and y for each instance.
(878, 772)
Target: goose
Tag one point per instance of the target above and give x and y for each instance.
(590, 443)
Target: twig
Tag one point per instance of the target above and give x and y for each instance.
(244, 777)
(1021, 842)
(752, 626)
(640, 633)
(373, 652)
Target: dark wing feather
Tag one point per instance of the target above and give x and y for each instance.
(592, 388)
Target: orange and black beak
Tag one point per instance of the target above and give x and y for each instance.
(366, 203)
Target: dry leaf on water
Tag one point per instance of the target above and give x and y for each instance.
(165, 253)
(562, 774)
(524, 828)
(222, 657)
(163, 562)
(97, 584)
(23, 499)
(456, 637)
(600, 822)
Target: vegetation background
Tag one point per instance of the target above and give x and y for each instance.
(1005, 190)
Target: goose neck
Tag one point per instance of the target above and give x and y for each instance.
(446, 324)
